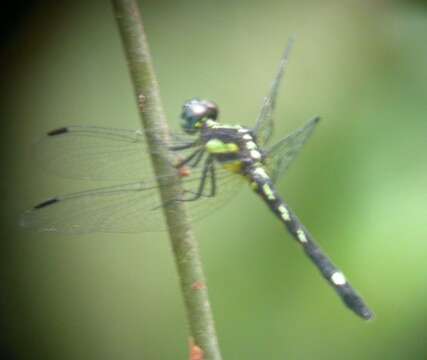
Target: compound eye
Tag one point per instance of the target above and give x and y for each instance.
(198, 110)
(193, 110)
(211, 111)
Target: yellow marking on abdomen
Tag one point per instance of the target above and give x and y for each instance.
(301, 236)
(268, 191)
(254, 185)
(284, 213)
(250, 145)
(261, 172)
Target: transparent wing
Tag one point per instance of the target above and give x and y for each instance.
(96, 153)
(280, 155)
(265, 123)
(128, 208)
(122, 208)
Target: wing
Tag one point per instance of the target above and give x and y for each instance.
(122, 208)
(265, 124)
(128, 208)
(280, 155)
(96, 153)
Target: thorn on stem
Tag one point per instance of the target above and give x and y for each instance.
(141, 102)
(198, 285)
(184, 171)
(196, 353)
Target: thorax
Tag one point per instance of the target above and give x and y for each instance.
(233, 146)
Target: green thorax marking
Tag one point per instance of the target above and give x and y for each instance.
(216, 146)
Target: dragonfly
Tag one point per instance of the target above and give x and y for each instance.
(211, 159)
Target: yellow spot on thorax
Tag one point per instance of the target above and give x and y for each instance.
(233, 166)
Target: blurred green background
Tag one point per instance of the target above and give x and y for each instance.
(359, 185)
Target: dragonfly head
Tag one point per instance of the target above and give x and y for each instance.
(196, 112)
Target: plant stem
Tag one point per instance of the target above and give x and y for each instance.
(185, 247)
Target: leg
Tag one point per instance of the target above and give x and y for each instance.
(198, 159)
(212, 192)
(202, 184)
(190, 157)
(183, 147)
(213, 180)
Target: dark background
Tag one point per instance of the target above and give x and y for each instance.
(359, 185)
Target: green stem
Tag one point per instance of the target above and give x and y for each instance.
(185, 247)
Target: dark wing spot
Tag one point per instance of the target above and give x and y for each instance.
(46, 203)
(58, 131)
